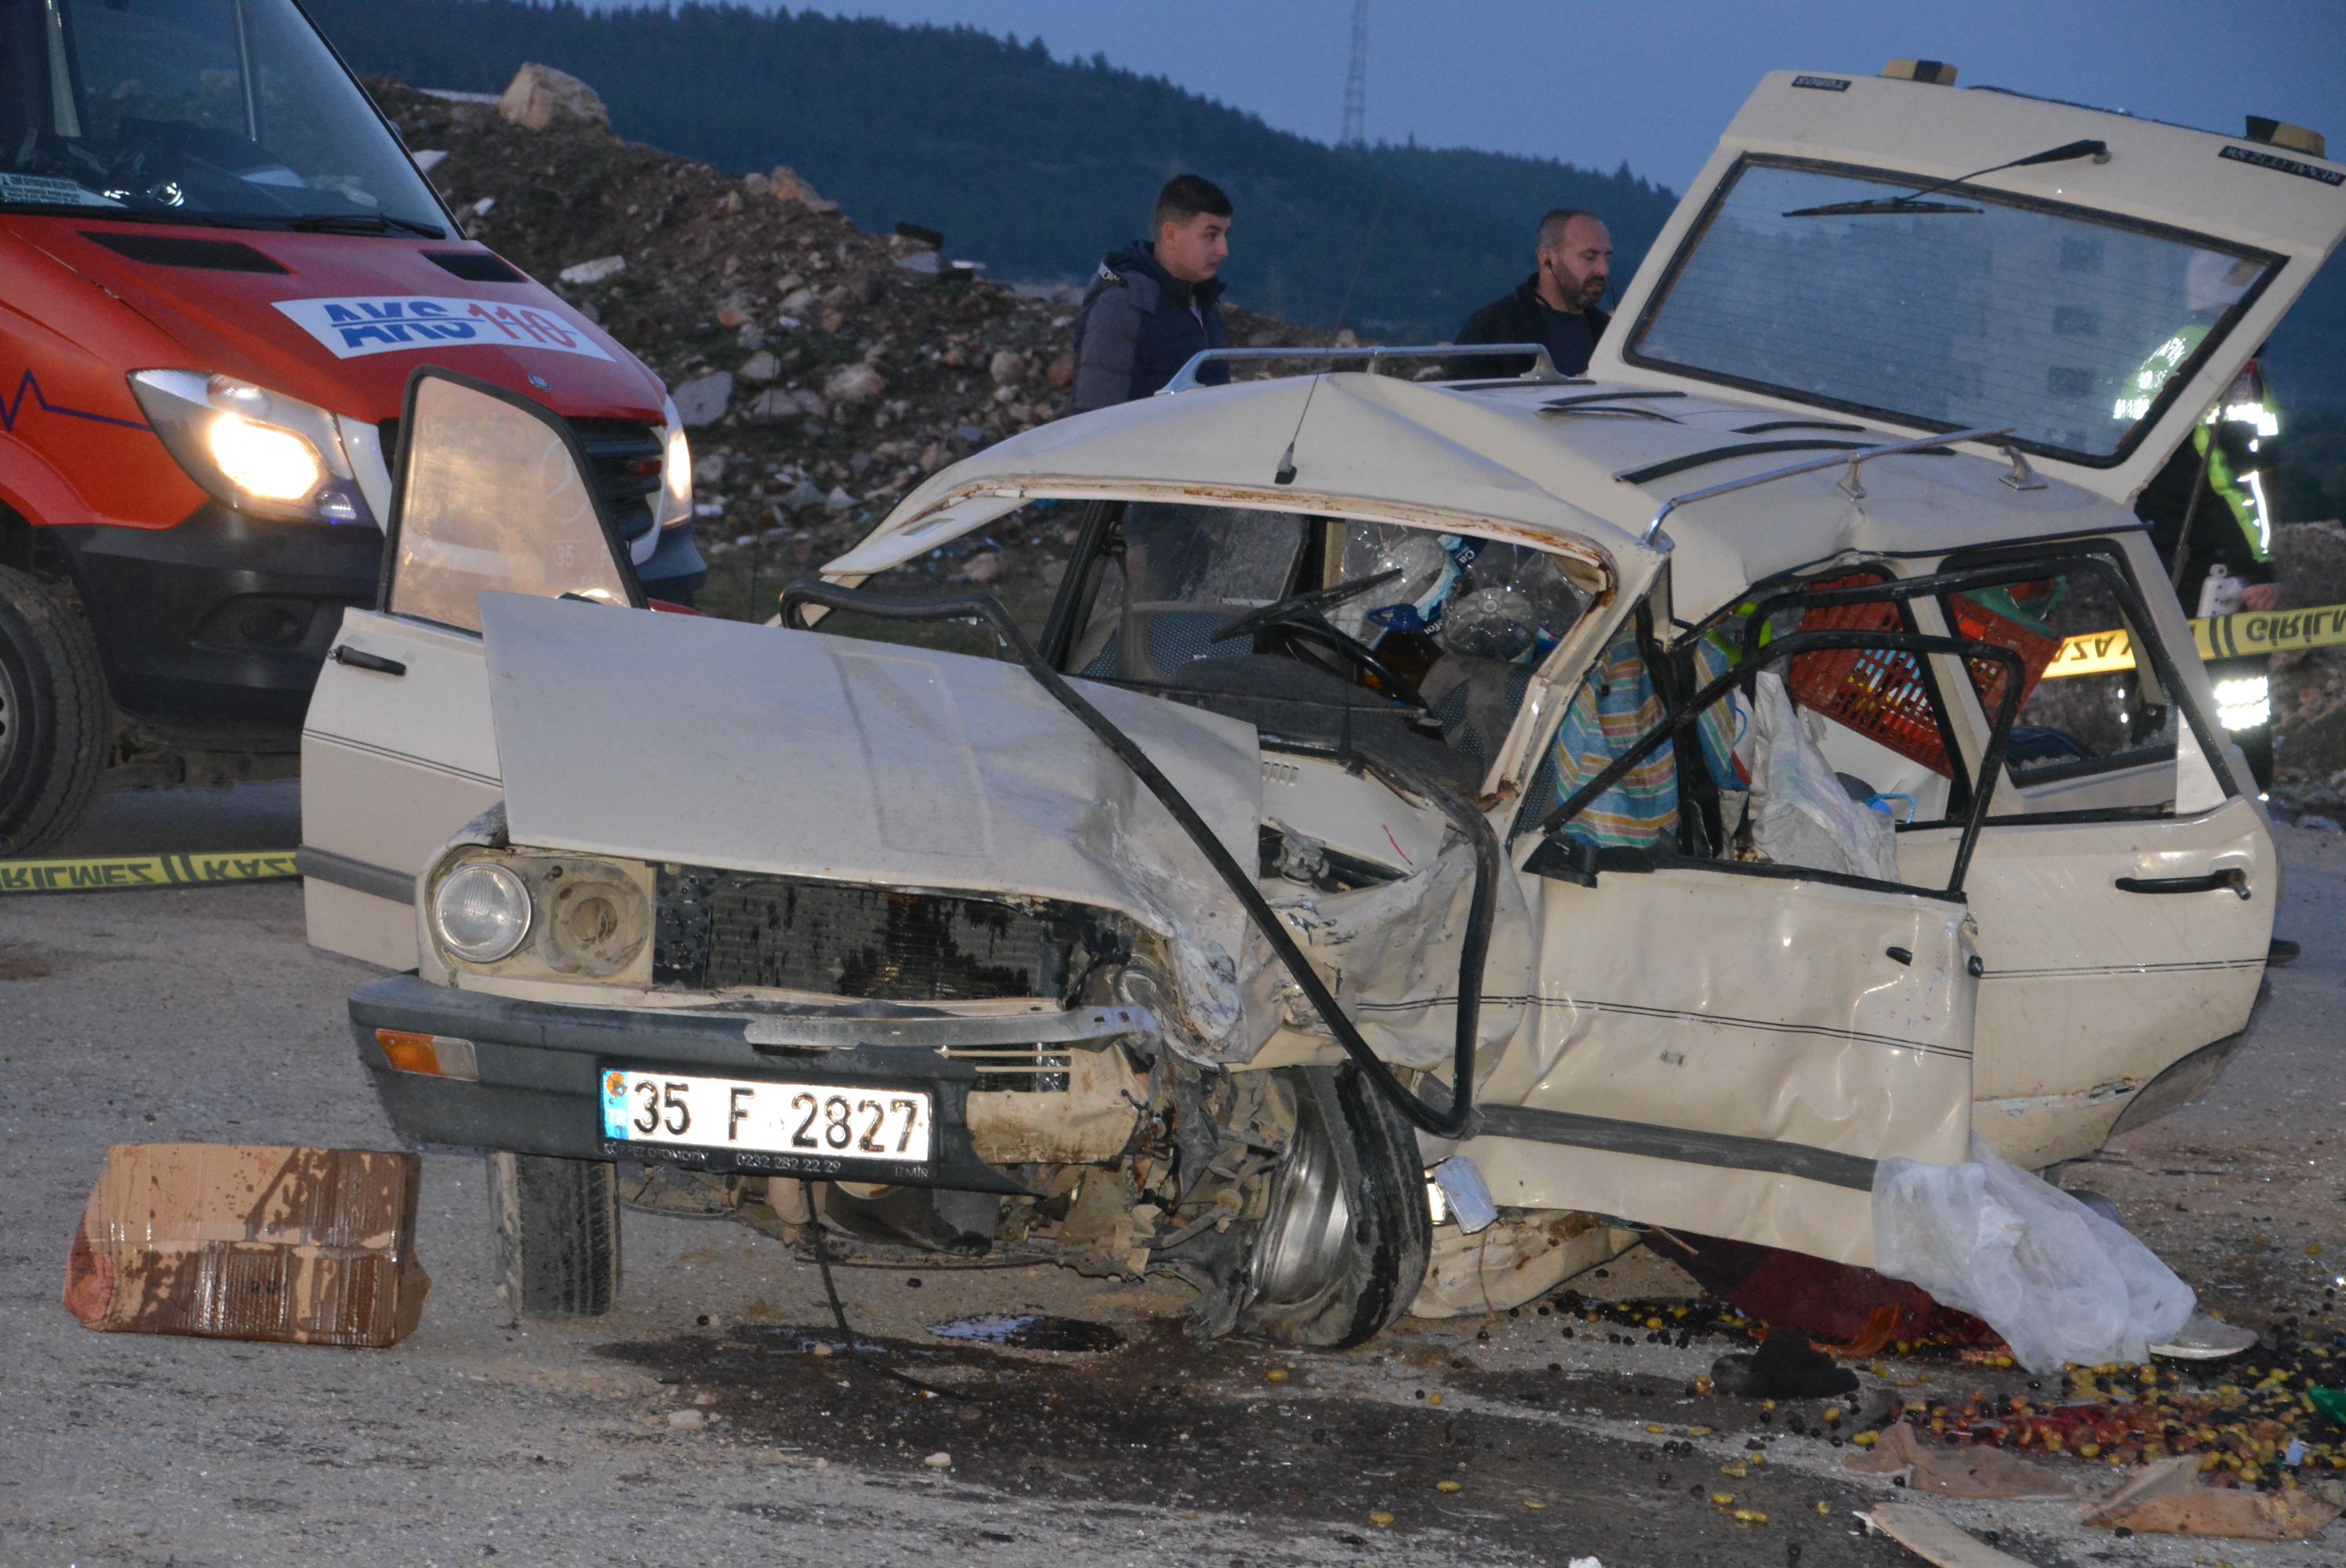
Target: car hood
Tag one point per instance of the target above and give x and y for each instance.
(676, 739)
(270, 327)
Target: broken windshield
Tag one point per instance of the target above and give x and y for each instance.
(2072, 326)
(205, 110)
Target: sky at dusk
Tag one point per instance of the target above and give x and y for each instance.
(1653, 84)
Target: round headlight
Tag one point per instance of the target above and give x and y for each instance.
(482, 912)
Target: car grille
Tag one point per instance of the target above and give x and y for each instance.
(719, 930)
(623, 458)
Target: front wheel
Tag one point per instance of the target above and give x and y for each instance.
(56, 721)
(1343, 1251)
(557, 1225)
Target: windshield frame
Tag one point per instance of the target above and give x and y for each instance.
(2271, 263)
(351, 225)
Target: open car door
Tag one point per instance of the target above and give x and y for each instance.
(1734, 1026)
(398, 751)
(2124, 884)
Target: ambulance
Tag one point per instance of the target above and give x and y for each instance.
(218, 267)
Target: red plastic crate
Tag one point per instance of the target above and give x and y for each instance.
(1882, 695)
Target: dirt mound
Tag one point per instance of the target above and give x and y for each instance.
(822, 372)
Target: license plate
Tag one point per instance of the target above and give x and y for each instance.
(813, 1121)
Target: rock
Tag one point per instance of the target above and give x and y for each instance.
(801, 301)
(854, 384)
(802, 495)
(968, 432)
(839, 500)
(709, 469)
(939, 1461)
(774, 404)
(539, 98)
(1062, 373)
(928, 263)
(732, 204)
(686, 1420)
(429, 160)
(732, 317)
(756, 184)
(759, 368)
(785, 185)
(985, 568)
(481, 207)
(703, 399)
(1006, 367)
(593, 272)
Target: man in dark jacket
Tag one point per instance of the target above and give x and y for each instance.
(1556, 305)
(1153, 305)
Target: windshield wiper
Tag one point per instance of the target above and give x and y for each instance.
(2099, 151)
(362, 223)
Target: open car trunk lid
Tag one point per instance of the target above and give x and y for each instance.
(2072, 329)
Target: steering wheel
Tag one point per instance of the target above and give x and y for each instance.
(1302, 620)
(1314, 605)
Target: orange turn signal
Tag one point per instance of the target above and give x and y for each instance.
(435, 1055)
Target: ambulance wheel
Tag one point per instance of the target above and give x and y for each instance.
(558, 1224)
(56, 721)
(1343, 1251)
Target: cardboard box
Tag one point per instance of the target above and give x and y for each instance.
(311, 1246)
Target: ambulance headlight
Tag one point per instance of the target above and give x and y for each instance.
(253, 449)
(676, 471)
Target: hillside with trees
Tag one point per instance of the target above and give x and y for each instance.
(1035, 166)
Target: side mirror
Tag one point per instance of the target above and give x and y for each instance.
(492, 494)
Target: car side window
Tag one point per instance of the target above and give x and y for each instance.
(1018, 559)
(2082, 714)
(491, 499)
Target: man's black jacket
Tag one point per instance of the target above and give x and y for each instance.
(1138, 327)
(1516, 318)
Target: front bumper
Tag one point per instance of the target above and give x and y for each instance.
(539, 1065)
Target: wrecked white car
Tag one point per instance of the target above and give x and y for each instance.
(1642, 799)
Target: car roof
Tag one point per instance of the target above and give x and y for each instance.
(1497, 461)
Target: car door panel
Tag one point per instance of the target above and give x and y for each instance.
(1729, 1054)
(399, 748)
(391, 766)
(2091, 991)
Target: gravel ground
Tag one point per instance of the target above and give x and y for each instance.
(200, 1015)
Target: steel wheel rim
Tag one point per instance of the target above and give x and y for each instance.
(1302, 1250)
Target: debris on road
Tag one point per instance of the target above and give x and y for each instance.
(1785, 1366)
(314, 1246)
(2169, 1498)
(1935, 1538)
(1958, 1472)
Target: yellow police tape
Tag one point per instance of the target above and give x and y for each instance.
(2249, 632)
(99, 873)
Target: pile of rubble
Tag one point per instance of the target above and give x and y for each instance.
(822, 372)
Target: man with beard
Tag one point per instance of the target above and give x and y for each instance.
(1556, 305)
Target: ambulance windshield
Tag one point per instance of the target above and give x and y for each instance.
(218, 111)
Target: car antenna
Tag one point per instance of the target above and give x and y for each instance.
(1286, 474)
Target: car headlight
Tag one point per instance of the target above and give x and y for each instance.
(676, 472)
(258, 450)
(482, 912)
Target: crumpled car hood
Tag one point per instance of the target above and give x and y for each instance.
(715, 743)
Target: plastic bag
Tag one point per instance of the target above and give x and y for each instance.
(1800, 814)
(2058, 1281)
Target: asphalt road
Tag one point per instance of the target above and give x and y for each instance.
(200, 1015)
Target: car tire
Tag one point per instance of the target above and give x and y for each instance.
(558, 1226)
(1343, 1248)
(56, 721)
